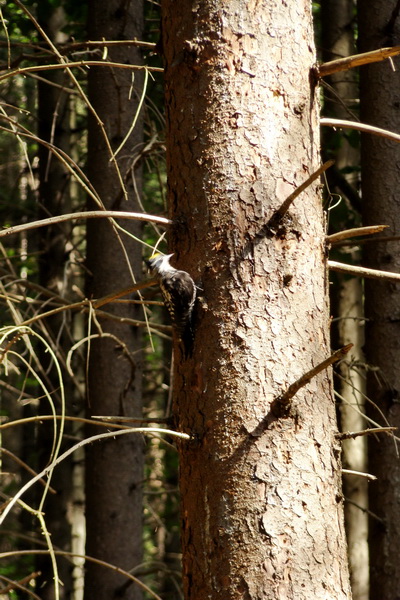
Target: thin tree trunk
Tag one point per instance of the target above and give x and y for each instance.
(262, 513)
(351, 388)
(380, 183)
(114, 470)
(337, 40)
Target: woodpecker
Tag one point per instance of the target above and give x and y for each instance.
(179, 293)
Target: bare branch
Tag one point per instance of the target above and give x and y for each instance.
(19, 585)
(71, 46)
(359, 474)
(363, 271)
(115, 420)
(86, 557)
(279, 214)
(75, 64)
(100, 421)
(355, 232)
(351, 435)
(356, 60)
(365, 510)
(23, 464)
(283, 401)
(85, 442)
(90, 214)
(360, 127)
(387, 238)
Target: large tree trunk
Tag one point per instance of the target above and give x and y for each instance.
(262, 513)
(380, 184)
(114, 470)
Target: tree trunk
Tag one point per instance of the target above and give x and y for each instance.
(380, 183)
(337, 40)
(262, 513)
(114, 470)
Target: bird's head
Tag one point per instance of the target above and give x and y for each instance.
(159, 263)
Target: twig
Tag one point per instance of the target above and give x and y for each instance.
(91, 421)
(90, 214)
(78, 63)
(356, 60)
(127, 420)
(359, 474)
(385, 239)
(283, 401)
(365, 510)
(354, 232)
(363, 271)
(23, 464)
(67, 47)
(351, 435)
(360, 127)
(87, 305)
(86, 557)
(19, 585)
(85, 442)
(280, 213)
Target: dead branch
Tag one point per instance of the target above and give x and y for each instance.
(85, 442)
(359, 474)
(20, 584)
(90, 214)
(283, 402)
(71, 46)
(356, 60)
(351, 435)
(279, 214)
(85, 305)
(114, 421)
(23, 464)
(387, 238)
(363, 271)
(75, 64)
(99, 421)
(365, 510)
(342, 124)
(354, 232)
(86, 557)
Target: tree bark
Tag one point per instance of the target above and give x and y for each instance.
(262, 513)
(114, 470)
(380, 183)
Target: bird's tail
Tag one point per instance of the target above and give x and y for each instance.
(187, 339)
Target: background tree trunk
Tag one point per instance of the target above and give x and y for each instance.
(380, 182)
(115, 468)
(261, 504)
(340, 94)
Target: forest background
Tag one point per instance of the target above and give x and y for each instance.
(89, 433)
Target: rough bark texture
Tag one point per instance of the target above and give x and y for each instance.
(261, 503)
(115, 468)
(380, 184)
